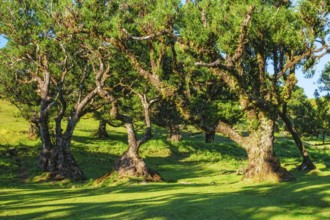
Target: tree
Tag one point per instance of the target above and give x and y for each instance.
(165, 114)
(130, 163)
(117, 83)
(45, 50)
(266, 33)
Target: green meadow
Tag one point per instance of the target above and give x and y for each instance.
(202, 181)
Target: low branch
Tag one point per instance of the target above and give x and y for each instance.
(226, 129)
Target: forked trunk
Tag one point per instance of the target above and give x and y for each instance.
(174, 133)
(306, 164)
(56, 158)
(263, 163)
(130, 163)
(59, 162)
(209, 137)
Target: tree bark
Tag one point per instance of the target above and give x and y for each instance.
(307, 163)
(263, 164)
(174, 133)
(56, 158)
(130, 163)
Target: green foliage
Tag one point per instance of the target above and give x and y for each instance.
(324, 80)
(322, 106)
(151, 47)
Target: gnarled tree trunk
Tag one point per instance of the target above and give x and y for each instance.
(263, 164)
(56, 158)
(130, 163)
(59, 161)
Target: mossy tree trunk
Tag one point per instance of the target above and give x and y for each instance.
(55, 155)
(263, 164)
(130, 163)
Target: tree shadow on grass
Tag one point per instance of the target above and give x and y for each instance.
(114, 137)
(307, 198)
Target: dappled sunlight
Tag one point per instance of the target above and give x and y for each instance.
(184, 201)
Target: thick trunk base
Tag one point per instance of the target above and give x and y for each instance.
(265, 166)
(134, 166)
(263, 163)
(60, 165)
(267, 171)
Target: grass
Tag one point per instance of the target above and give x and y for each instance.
(201, 180)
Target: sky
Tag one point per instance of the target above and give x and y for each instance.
(309, 85)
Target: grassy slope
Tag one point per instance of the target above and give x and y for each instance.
(202, 183)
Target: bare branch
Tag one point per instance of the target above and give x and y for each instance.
(81, 105)
(216, 63)
(154, 100)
